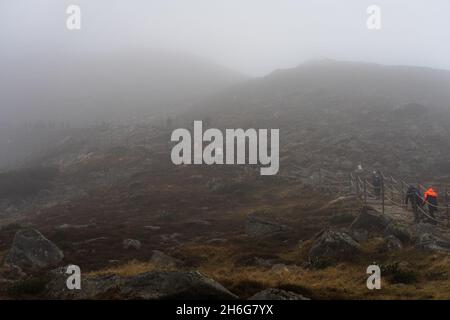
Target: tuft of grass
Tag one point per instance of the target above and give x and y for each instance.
(28, 287)
(398, 275)
(129, 269)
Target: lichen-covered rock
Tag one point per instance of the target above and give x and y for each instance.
(148, 286)
(31, 250)
(333, 245)
(371, 220)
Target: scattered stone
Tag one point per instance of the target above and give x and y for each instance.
(333, 245)
(31, 250)
(74, 226)
(131, 243)
(153, 228)
(392, 243)
(260, 227)
(162, 260)
(90, 241)
(277, 294)
(265, 263)
(279, 268)
(170, 237)
(428, 241)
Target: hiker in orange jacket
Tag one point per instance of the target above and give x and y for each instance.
(430, 197)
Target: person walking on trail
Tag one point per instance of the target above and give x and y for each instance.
(430, 197)
(413, 197)
(376, 182)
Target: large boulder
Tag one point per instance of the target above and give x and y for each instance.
(150, 286)
(277, 294)
(333, 245)
(399, 231)
(31, 250)
(371, 220)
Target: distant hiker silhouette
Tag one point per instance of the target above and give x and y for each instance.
(413, 196)
(377, 181)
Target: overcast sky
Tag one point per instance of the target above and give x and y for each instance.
(251, 36)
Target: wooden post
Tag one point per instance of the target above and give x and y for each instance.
(365, 192)
(403, 194)
(446, 200)
(350, 189)
(382, 194)
(357, 187)
(392, 188)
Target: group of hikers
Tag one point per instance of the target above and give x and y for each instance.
(412, 196)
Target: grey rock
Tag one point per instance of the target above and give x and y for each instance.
(392, 243)
(399, 231)
(74, 226)
(31, 250)
(360, 235)
(279, 268)
(162, 260)
(131, 243)
(277, 294)
(371, 220)
(261, 227)
(149, 286)
(333, 245)
(428, 241)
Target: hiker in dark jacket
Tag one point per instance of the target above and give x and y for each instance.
(377, 181)
(413, 196)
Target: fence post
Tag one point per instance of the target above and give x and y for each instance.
(350, 184)
(365, 192)
(392, 188)
(357, 187)
(446, 201)
(403, 194)
(382, 194)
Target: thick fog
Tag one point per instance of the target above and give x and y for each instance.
(119, 57)
(251, 36)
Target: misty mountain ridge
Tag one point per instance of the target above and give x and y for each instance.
(118, 86)
(334, 86)
(331, 114)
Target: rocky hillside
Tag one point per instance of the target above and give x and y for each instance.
(109, 200)
(337, 115)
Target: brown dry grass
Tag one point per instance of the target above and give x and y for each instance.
(345, 280)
